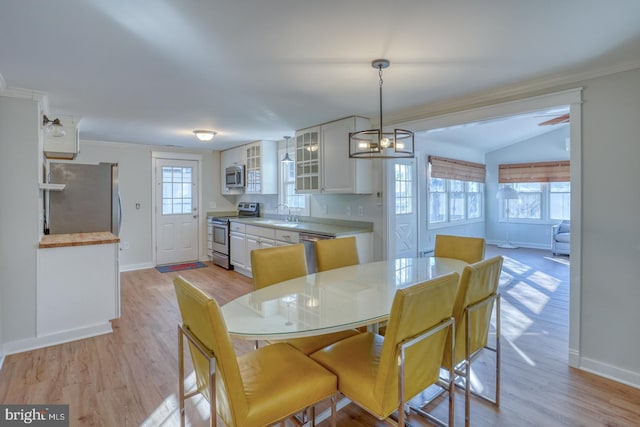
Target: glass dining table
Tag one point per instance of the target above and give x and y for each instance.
(330, 301)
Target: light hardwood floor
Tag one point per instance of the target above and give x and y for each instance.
(129, 377)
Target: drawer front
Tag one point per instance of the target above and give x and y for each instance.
(287, 236)
(269, 233)
(238, 227)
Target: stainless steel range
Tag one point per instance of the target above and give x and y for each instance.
(218, 231)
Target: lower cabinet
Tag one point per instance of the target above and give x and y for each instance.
(246, 238)
(238, 249)
(78, 291)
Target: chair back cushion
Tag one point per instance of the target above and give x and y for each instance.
(336, 253)
(201, 315)
(414, 310)
(273, 265)
(477, 282)
(467, 249)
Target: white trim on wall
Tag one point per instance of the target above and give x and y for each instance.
(573, 98)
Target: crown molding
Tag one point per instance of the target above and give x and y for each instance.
(506, 93)
(34, 95)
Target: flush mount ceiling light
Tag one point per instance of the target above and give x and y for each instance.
(53, 127)
(377, 144)
(286, 158)
(204, 135)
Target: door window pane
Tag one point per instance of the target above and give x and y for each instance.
(177, 187)
(404, 189)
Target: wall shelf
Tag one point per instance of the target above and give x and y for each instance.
(52, 187)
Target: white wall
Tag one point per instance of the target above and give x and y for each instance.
(547, 147)
(610, 229)
(135, 165)
(20, 211)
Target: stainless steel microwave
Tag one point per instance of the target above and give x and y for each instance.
(234, 176)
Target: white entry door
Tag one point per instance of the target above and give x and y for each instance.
(402, 218)
(176, 211)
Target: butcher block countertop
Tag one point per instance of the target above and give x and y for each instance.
(77, 239)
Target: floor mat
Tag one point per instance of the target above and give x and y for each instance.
(179, 267)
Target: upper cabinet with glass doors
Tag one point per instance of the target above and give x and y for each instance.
(323, 163)
(262, 167)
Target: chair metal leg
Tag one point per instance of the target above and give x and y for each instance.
(498, 348)
(333, 410)
(181, 375)
(468, 357)
(212, 393)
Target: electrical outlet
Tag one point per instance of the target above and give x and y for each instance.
(125, 245)
(360, 211)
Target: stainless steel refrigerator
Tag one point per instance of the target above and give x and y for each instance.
(89, 202)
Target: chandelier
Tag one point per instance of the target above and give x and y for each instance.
(377, 144)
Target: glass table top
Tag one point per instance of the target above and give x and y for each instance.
(330, 301)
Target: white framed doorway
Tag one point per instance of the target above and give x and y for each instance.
(401, 208)
(572, 98)
(176, 222)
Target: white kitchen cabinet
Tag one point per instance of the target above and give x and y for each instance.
(258, 238)
(78, 291)
(307, 160)
(246, 238)
(238, 246)
(231, 157)
(323, 163)
(63, 147)
(286, 237)
(341, 174)
(262, 167)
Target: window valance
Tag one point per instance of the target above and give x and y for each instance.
(534, 172)
(442, 167)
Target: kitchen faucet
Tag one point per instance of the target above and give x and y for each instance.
(287, 208)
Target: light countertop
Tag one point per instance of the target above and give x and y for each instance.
(337, 228)
(77, 239)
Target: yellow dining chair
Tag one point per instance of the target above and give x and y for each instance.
(467, 249)
(477, 293)
(336, 253)
(273, 265)
(252, 390)
(382, 373)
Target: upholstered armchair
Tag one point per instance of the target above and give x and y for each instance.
(561, 237)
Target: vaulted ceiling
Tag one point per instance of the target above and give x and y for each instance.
(151, 71)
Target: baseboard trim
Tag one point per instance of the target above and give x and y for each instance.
(574, 358)
(520, 244)
(132, 267)
(28, 344)
(611, 372)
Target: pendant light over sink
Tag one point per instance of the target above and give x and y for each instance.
(286, 158)
(377, 144)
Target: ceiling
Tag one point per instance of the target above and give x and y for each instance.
(151, 71)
